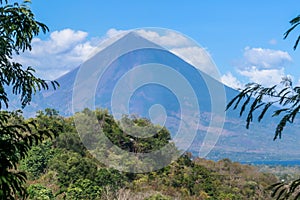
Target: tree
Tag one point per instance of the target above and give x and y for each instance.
(35, 164)
(18, 26)
(71, 166)
(255, 98)
(39, 192)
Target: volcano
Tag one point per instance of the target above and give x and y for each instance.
(129, 64)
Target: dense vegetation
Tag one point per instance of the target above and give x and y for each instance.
(62, 168)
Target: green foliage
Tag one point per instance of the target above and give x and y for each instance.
(17, 29)
(207, 180)
(38, 157)
(132, 134)
(72, 174)
(105, 138)
(37, 160)
(71, 167)
(39, 192)
(71, 142)
(147, 137)
(110, 177)
(50, 118)
(83, 189)
(16, 139)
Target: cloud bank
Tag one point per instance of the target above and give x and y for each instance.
(58, 54)
(66, 49)
(259, 65)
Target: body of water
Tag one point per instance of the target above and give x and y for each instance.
(274, 162)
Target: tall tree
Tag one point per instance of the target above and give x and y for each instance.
(255, 98)
(18, 26)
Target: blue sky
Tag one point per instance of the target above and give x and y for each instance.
(244, 38)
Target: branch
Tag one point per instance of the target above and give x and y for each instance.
(253, 97)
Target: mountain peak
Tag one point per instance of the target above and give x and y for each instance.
(133, 34)
(133, 40)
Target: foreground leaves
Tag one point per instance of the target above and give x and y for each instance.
(258, 99)
(283, 190)
(17, 29)
(16, 139)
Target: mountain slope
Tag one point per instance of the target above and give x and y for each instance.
(104, 72)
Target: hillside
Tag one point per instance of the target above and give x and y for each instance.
(63, 169)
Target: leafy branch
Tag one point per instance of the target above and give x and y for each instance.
(17, 29)
(16, 139)
(294, 23)
(260, 99)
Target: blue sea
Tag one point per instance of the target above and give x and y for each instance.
(273, 162)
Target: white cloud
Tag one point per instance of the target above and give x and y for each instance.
(264, 66)
(185, 48)
(231, 81)
(266, 58)
(199, 58)
(58, 54)
(66, 49)
(59, 42)
(266, 77)
(169, 39)
(110, 37)
(114, 32)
